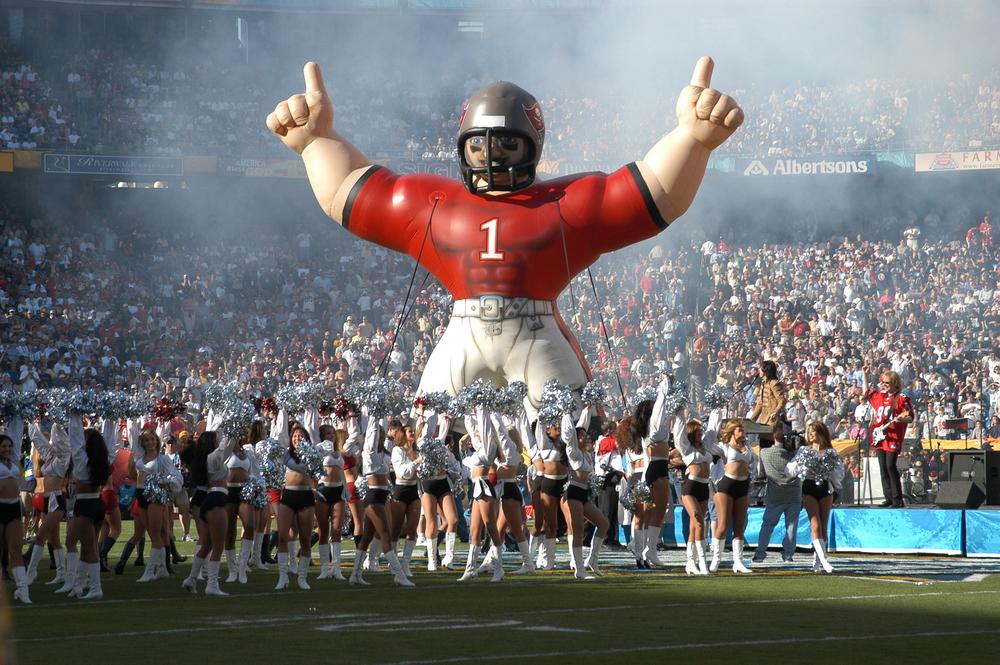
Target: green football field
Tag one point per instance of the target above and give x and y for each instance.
(903, 610)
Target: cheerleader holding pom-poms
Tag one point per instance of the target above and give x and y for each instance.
(375, 467)
(405, 506)
(10, 504)
(244, 487)
(508, 467)
(208, 469)
(92, 459)
(822, 472)
(438, 500)
(296, 508)
(577, 506)
(157, 478)
(330, 508)
(731, 500)
(695, 446)
(54, 459)
(484, 495)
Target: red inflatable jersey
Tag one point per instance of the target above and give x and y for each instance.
(511, 245)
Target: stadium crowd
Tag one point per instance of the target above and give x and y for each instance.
(122, 104)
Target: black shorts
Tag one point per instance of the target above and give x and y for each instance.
(437, 488)
(140, 497)
(552, 486)
(234, 495)
(574, 493)
(212, 501)
(405, 494)
(510, 491)
(55, 503)
(198, 498)
(90, 508)
(657, 469)
(817, 489)
(734, 488)
(332, 493)
(695, 489)
(376, 497)
(297, 500)
(12, 511)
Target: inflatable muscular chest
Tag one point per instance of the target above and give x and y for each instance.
(528, 243)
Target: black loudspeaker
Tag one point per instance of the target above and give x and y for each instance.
(979, 466)
(960, 494)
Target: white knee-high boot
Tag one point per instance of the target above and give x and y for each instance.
(21, 584)
(820, 547)
(449, 550)
(527, 561)
(324, 562)
(739, 566)
(471, 567)
(282, 571)
(360, 555)
(593, 556)
(303, 571)
(191, 582)
(716, 554)
(699, 548)
(212, 587)
(232, 566)
(689, 565)
(335, 561)
(246, 551)
(408, 546)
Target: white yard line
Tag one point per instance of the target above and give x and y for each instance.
(374, 622)
(691, 645)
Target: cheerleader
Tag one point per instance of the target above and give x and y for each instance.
(405, 506)
(208, 469)
(91, 469)
(350, 453)
(508, 467)
(650, 424)
(577, 505)
(731, 500)
(822, 472)
(484, 497)
(148, 461)
(52, 463)
(376, 470)
(635, 465)
(536, 470)
(551, 449)
(438, 501)
(242, 464)
(10, 504)
(296, 507)
(695, 448)
(330, 507)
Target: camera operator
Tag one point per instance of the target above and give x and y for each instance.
(784, 494)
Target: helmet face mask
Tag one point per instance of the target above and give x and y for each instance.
(500, 138)
(497, 160)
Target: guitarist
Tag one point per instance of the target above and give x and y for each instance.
(893, 411)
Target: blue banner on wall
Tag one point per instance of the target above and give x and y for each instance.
(982, 533)
(896, 531)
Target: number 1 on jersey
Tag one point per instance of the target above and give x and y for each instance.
(491, 253)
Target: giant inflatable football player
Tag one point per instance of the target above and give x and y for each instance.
(502, 243)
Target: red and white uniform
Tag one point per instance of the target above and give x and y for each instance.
(886, 408)
(490, 250)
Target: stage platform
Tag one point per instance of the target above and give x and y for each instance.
(932, 531)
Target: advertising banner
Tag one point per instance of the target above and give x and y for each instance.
(974, 160)
(114, 165)
(808, 166)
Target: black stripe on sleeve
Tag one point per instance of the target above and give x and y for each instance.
(354, 193)
(646, 196)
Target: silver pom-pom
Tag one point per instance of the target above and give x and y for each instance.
(157, 488)
(480, 392)
(644, 394)
(300, 396)
(816, 465)
(627, 498)
(642, 492)
(13, 404)
(717, 397)
(437, 401)
(311, 456)
(549, 414)
(379, 395)
(434, 458)
(675, 400)
(273, 473)
(220, 394)
(509, 400)
(594, 394)
(254, 492)
(559, 395)
(595, 486)
(236, 416)
(361, 488)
